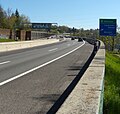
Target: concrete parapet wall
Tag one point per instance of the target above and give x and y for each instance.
(87, 96)
(23, 35)
(25, 44)
(5, 32)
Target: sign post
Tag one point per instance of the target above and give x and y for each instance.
(107, 27)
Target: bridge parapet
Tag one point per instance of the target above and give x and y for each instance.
(87, 96)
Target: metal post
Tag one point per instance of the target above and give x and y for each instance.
(113, 42)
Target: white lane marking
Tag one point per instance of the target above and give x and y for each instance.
(68, 44)
(53, 49)
(31, 70)
(4, 62)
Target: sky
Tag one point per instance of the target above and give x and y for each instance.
(72, 13)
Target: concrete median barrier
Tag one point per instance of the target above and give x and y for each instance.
(9, 46)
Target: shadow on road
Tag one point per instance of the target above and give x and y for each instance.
(47, 97)
(69, 89)
(75, 68)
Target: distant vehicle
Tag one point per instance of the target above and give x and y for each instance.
(67, 36)
(84, 38)
(61, 36)
(80, 39)
(72, 38)
(53, 36)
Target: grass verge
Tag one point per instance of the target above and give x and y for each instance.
(112, 85)
(6, 40)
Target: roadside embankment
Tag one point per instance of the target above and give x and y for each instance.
(112, 84)
(9, 46)
(87, 96)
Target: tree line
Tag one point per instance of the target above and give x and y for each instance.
(13, 20)
(92, 33)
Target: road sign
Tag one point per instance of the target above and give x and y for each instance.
(107, 27)
(41, 25)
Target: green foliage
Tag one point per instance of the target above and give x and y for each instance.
(75, 32)
(11, 20)
(2, 18)
(6, 40)
(111, 42)
(24, 22)
(63, 29)
(17, 13)
(112, 85)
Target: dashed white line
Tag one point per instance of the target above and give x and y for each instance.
(31, 70)
(68, 44)
(5, 62)
(53, 49)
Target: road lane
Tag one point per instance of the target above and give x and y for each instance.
(22, 62)
(37, 91)
(40, 66)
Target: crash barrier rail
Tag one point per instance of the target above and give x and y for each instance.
(85, 94)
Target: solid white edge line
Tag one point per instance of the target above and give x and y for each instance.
(29, 71)
(4, 62)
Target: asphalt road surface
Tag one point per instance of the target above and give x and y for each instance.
(31, 80)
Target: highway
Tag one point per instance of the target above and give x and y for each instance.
(31, 80)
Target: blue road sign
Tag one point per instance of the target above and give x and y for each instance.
(41, 25)
(107, 27)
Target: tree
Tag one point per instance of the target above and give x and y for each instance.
(10, 19)
(17, 13)
(2, 18)
(17, 22)
(24, 22)
(54, 29)
(63, 29)
(82, 32)
(13, 21)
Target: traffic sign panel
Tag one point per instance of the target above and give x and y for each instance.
(107, 27)
(41, 25)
